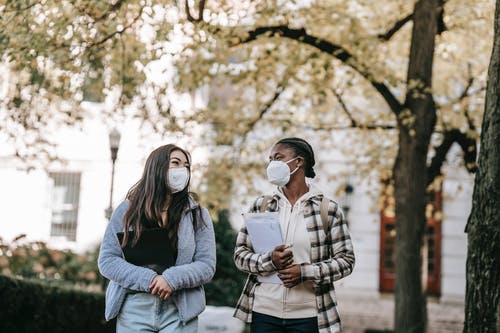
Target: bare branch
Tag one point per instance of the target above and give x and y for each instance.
(113, 8)
(441, 27)
(117, 32)
(467, 93)
(17, 10)
(369, 127)
(470, 81)
(395, 28)
(108, 37)
(354, 123)
(266, 107)
(301, 36)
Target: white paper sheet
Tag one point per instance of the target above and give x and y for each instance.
(265, 234)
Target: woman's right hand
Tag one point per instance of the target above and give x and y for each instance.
(160, 287)
(281, 258)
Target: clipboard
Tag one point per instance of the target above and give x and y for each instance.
(265, 234)
(153, 249)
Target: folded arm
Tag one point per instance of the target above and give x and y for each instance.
(111, 263)
(202, 269)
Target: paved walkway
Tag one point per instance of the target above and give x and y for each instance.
(360, 313)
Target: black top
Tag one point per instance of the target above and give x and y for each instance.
(153, 249)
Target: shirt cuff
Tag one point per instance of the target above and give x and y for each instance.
(149, 279)
(267, 262)
(307, 271)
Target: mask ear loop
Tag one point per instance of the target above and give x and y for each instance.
(297, 168)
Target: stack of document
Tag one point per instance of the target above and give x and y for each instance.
(265, 234)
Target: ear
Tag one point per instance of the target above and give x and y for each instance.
(300, 161)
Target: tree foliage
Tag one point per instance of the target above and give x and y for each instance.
(305, 67)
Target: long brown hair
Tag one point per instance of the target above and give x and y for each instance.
(148, 196)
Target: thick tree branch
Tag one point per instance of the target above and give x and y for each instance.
(190, 17)
(441, 26)
(301, 36)
(468, 146)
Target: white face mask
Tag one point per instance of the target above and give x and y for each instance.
(279, 173)
(178, 179)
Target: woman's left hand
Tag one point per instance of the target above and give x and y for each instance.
(291, 276)
(160, 287)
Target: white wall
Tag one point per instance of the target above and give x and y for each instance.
(24, 207)
(457, 204)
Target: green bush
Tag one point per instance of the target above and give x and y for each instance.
(34, 306)
(36, 260)
(228, 281)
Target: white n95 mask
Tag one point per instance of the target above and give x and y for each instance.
(178, 179)
(279, 173)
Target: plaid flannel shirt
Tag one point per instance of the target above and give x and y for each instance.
(332, 258)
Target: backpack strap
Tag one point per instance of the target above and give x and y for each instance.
(324, 213)
(264, 203)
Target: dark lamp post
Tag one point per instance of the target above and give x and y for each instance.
(346, 204)
(114, 144)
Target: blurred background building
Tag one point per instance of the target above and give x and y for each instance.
(66, 206)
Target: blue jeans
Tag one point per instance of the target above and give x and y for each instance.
(142, 312)
(262, 323)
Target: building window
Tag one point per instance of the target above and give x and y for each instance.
(431, 249)
(65, 199)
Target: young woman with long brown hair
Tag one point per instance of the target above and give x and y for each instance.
(149, 298)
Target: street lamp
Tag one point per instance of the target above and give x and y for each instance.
(114, 144)
(346, 203)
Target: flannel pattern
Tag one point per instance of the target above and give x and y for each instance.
(332, 258)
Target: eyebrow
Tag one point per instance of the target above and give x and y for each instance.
(275, 154)
(178, 159)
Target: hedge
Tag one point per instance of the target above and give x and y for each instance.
(32, 306)
(227, 284)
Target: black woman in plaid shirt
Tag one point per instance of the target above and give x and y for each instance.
(317, 251)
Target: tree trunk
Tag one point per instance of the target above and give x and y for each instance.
(482, 307)
(416, 125)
